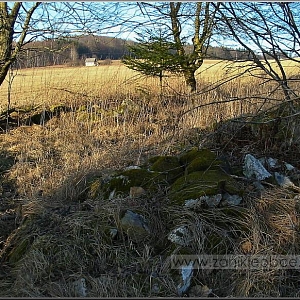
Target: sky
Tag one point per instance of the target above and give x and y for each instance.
(117, 19)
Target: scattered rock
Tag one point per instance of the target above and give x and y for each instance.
(253, 168)
(213, 201)
(180, 236)
(135, 226)
(283, 181)
(80, 287)
(136, 191)
(231, 199)
(113, 232)
(132, 168)
(202, 291)
(193, 203)
(187, 274)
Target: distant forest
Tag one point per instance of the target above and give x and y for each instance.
(74, 51)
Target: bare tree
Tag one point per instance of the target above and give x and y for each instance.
(8, 21)
(270, 33)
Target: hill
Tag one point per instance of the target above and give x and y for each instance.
(73, 51)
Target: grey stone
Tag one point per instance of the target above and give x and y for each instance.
(253, 168)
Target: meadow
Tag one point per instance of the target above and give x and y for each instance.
(111, 117)
(117, 117)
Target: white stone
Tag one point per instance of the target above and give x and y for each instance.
(272, 162)
(180, 236)
(289, 167)
(132, 168)
(253, 168)
(113, 232)
(232, 199)
(283, 181)
(213, 201)
(80, 287)
(187, 274)
(191, 203)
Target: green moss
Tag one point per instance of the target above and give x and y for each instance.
(153, 159)
(189, 156)
(203, 163)
(200, 183)
(199, 160)
(169, 165)
(124, 180)
(234, 187)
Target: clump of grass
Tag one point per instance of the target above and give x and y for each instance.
(274, 223)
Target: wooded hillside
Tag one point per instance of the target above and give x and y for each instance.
(73, 51)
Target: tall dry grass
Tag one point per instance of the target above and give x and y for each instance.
(114, 119)
(118, 118)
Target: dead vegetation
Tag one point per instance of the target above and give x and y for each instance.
(54, 234)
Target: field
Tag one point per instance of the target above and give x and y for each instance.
(115, 116)
(107, 118)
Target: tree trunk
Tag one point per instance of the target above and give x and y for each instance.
(8, 17)
(190, 80)
(6, 37)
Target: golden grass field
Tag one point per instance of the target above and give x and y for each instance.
(116, 119)
(54, 84)
(136, 119)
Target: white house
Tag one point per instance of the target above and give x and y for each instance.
(90, 62)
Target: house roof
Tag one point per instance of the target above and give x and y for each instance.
(90, 59)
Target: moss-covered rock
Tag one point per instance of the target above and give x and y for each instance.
(203, 163)
(203, 156)
(168, 165)
(201, 183)
(124, 180)
(189, 156)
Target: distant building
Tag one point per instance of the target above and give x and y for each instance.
(90, 62)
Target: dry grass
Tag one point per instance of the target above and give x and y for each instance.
(117, 119)
(135, 120)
